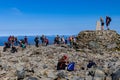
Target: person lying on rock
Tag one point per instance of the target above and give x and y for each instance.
(62, 63)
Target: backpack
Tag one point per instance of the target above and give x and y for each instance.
(90, 64)
(110, 19)
(71, 66)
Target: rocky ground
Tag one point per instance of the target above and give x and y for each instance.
(40, 63)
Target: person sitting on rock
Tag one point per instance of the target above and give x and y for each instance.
(6, 45)
(13, 49)
(22, 44)
(62, 63)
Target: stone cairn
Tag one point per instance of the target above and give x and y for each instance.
(98, 40)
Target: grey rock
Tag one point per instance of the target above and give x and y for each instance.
(20, 74)
(61, 74)
(93, 44)
(32, 78)
(111, 46)
(77, 78)
(116, 75)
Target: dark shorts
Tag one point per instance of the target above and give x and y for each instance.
(102, 24)
(107, 24)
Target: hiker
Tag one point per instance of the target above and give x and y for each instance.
(57, 40)
(66, 40)
(6, 45)
(74, 40)
(22, 43)
(108, 20)
(9, 38)
(42, 38)
(63, 40)
(26, 40)
(62, 63)
(13, 49)
(46, 41)
(102, 23)
(71, 40)
(16, 41)
(12, 40)
(36, 41)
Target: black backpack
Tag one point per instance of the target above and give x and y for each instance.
(110, 19)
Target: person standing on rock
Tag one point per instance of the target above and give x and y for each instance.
(102, 23)
(108, 20)
(36, 41)
(26, 40)
(42, 38)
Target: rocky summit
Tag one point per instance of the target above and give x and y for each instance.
(32, 63)
(99, 40)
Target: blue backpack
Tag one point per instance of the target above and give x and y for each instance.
(71, 66)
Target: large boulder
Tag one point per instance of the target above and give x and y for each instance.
(116, 75)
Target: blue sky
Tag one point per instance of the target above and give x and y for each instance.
(51, 17)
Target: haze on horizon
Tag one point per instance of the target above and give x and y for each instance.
(52, 17)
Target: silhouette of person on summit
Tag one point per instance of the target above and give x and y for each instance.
(36, 41)
(108, 20)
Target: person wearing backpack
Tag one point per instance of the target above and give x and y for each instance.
(108, 20)
(36, 41)
(13, 49)
(62, 63)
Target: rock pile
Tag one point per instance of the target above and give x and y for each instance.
(95, 40)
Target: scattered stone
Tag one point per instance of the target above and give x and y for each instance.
(20, 74)
(32, 78)
(102, 47)
(116, 75)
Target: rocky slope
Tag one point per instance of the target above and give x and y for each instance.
(40, 63)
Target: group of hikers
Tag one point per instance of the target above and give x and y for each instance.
(108, 20)
(44, 40)
(13, 42)
(63, 40)
(57, 40)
